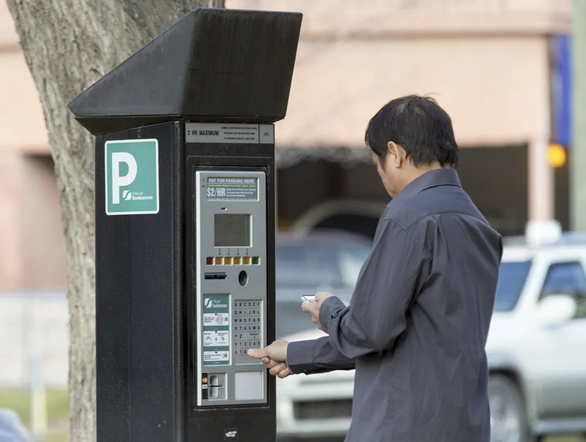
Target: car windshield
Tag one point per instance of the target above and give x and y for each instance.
(351, 260)
(301, 266)
(315, 263)
(312, 266)
(512, 277)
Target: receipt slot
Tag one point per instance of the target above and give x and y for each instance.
(185, 226)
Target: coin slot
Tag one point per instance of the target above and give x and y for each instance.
(243, 278)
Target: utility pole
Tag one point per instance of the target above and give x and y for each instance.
(578, 148)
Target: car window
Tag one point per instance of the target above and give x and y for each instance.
(567, 278)
(350, 261)
(305, 266)
(512, 278)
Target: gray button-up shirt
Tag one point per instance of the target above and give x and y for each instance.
(417, 325)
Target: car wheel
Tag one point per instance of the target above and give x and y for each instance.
(508, 418)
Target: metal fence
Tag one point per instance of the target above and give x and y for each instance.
(34, 339)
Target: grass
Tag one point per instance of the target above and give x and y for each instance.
(57, 410)
(565, 439)
(19, 401)
(56, 437)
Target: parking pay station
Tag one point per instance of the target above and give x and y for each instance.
(185, 224)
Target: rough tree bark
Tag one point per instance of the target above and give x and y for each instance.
(68, 45)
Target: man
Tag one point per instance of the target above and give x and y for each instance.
(417, 325)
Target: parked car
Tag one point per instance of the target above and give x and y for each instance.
(351, 215)
(323, 260)
(11, 427)
(536, 350)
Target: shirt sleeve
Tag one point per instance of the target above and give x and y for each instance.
(389, 282)
(316, 356)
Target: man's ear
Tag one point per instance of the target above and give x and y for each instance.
(396, 153)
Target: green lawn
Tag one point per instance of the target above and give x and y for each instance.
(565, 439)
(57, 410)
(56, 437)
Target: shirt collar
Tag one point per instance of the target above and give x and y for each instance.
(433, 178)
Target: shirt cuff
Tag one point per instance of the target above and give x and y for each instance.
(329, 310)
(300, 356)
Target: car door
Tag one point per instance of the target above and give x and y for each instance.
(562, 347)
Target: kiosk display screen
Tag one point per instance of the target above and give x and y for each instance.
(232, 230)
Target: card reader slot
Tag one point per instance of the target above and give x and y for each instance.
(215, 275)
(217, 390)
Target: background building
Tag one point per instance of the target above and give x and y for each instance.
(32, 251)
(499, 67)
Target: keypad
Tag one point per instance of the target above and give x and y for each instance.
(246, 328)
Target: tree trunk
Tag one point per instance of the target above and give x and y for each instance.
(68, 45)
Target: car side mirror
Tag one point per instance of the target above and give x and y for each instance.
(556, 309)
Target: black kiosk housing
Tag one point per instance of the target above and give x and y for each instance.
(185, 226)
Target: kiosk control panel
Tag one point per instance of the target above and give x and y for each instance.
(231, 293)
(229, 296)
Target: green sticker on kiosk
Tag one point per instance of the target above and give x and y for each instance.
(132, 177)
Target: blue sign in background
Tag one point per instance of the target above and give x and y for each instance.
(561, 87)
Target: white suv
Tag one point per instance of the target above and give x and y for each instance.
(536, 350)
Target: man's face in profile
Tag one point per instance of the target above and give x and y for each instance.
(383, 168)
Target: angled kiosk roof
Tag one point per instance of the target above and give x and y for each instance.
(212, 65)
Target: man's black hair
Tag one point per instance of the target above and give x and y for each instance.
(419, 125)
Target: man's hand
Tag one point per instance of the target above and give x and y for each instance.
(313, 309)
(274, 357)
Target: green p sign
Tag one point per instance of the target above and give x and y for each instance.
(132, 177)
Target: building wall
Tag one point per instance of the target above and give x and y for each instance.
(43, 244)
(400, 17)
(10, 220)
(486, 61)
(32, 251)
(22, 125)
(495, 89)
(31, 235)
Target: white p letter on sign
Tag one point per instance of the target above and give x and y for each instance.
(122, 181)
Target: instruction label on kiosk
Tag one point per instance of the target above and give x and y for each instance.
(229, 133)
(216, 329)
(232, 189)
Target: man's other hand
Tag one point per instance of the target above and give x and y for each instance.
(274, 357)
(313, 309)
